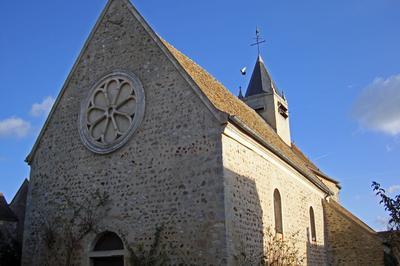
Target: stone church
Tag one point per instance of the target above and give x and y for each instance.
(145, 148)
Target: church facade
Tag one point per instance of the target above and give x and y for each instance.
(144, 144)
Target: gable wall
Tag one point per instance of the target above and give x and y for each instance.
(251, 175)
(168, 173)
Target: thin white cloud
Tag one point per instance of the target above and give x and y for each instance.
(378, 106)
(14, 126)
(357, 197)
(322, 156)
(393, 189)
(43, 108)
(389, 148)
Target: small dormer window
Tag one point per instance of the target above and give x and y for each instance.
(283, 110)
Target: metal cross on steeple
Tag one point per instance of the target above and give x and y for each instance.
(259, 40)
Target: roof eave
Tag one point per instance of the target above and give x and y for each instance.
(337, 183)
(259, 139)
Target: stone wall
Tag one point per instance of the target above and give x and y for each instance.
(18, 206)
(350, 241)
(252, 173)
(8, 232)
(214, 196)
(169, 172)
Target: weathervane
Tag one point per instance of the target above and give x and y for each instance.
(259, 40)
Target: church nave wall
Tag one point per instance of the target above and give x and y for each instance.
(251, 176)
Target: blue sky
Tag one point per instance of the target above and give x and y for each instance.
(336, 61)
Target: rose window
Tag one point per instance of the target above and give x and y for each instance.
(112, 112)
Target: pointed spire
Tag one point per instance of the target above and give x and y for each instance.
(240, 93)
(261, 81)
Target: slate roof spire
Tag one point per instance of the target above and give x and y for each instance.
(240, 96)
(261, 81)
(264, 98)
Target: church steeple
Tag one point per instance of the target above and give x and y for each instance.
(260, 81)
(240, 96)
(263, 96)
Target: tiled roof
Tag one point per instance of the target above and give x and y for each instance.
(6, 213)
(311, 165)
(226, 102)
(340, 209)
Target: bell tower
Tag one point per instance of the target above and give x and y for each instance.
(263, 96)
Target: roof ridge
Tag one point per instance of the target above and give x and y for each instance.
(191, 60)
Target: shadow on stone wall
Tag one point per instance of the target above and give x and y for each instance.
(316, 253)
(10, 247)
(248, 235)
(244, 220)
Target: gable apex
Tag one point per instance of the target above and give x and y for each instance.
(220, 116)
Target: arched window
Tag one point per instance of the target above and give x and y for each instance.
(312, 224)
(108, 250)
(278, 212)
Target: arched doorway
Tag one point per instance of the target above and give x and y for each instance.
(108, 251)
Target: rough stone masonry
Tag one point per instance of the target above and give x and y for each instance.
(190, 165)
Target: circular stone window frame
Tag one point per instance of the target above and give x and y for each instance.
(87, 140)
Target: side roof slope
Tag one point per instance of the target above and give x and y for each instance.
(226, 102)
(312, 166)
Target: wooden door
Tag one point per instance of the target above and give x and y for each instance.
(108, 261)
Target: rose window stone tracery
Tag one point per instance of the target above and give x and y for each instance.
(112, 112)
